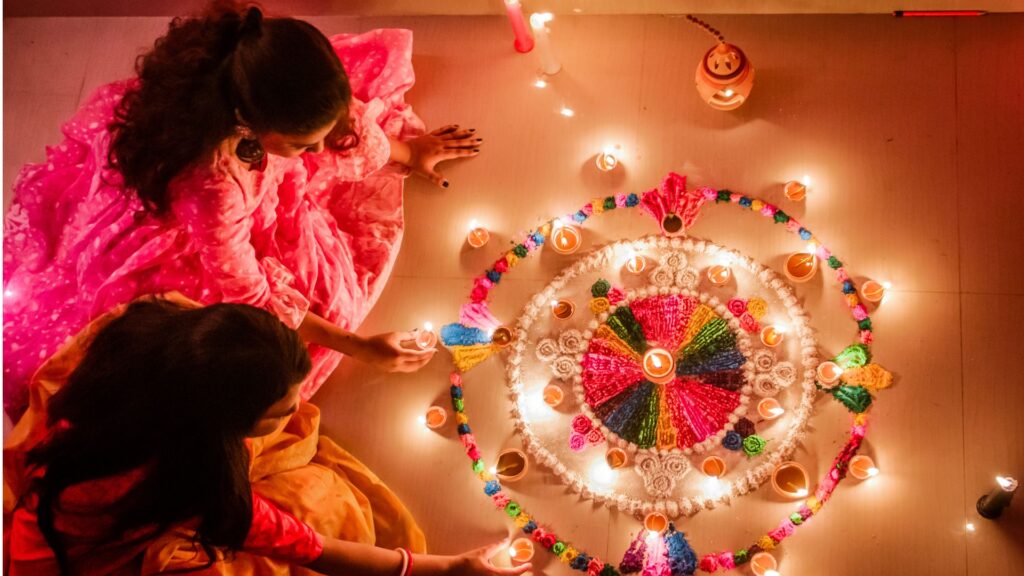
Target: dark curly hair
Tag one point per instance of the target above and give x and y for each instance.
(210, 73)
(175, 391)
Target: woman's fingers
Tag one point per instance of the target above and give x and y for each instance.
(486, 552)
(436, 177)
(414, 364)
(463, 143)
(510, 571)
(459, 153)
(459, 134)
(448, 129)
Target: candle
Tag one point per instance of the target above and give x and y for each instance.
(789, 479)
(553, 395)
(713, 466)
(616, 458)
(548, 63)
(655, 522)
(801, 266)
(435, 417)
(719, 274)
(502, 336)
(523, 42)
(566, 238)
(426, 338)
(863, 467)
(992, 504)
(636, 263)
(562, 309)
(659, 366)
(829, 372)
(606, 160)
(771, 335)
(521, 550)
(795, 190)
(770, 409)
(762, 563)
(511, 465)
(478, 235)
(872, 291)
(672, 224)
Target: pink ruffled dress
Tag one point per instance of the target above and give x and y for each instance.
(318, 233)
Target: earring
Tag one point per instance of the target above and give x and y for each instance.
(250, 151)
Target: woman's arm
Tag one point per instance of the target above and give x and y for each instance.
(383, 350)
(350, 558)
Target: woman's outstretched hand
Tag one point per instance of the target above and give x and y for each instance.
(392, 352)
(445, 143)
(478, 563)
(354, 559)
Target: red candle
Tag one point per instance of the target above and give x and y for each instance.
(524, 41)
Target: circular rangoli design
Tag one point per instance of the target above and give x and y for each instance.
(717, 371)
(644, 357)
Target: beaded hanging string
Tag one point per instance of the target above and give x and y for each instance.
(706, 27)
(468, 350)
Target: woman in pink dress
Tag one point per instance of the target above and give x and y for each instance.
(242, 165)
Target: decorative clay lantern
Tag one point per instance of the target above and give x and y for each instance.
(725, 77)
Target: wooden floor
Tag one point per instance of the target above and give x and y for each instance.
(912, 131)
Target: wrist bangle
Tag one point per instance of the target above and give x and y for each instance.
(408, 553)
(406, 561)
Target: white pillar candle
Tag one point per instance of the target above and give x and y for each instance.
(542, 43)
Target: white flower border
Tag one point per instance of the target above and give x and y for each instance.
(687, 505)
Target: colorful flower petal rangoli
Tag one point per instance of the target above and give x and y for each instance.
(666, 368)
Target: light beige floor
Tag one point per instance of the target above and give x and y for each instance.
(912, 132)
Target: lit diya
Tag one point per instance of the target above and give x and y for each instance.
(616, 458)
(566, 238)
(502, 336)
(829, 372)
(763, 563)
(872, 291)
(553, 395)
(607, 161)
(563, 309)
(863, 467)
(426, 338)
(770, 409)
(789, 479)
(636, 263)
(435, 417)
(713, 466)
(659, 366)
(521, 550)
(795, 190)
(772, 335)
(719, 274)
(478, 235)
(512, 465)
(656, 522)
(801, 266)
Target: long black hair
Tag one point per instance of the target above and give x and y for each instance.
(172, 391)
(212, 73)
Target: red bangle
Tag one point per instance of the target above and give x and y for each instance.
(406, 561)
(408, 571)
